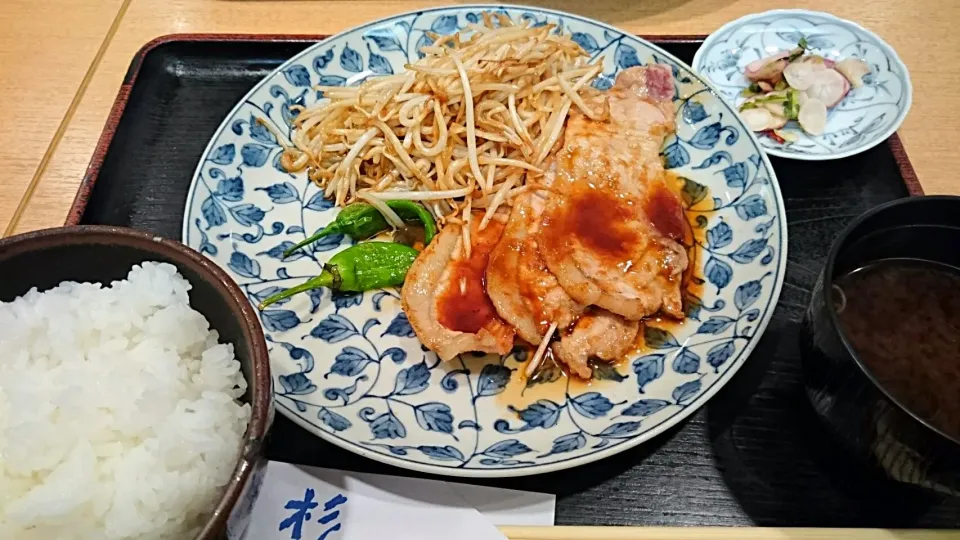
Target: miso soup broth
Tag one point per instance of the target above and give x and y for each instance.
(902, 317)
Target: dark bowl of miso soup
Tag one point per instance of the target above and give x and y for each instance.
(881, 341)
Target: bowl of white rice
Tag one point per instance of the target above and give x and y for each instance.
(135, 392)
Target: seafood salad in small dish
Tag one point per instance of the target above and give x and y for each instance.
(813, 86)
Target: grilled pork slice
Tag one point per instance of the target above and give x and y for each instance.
(612, 229)
(523, 291)
(444, 294)
(597, 334)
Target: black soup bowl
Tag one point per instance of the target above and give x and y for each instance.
(864, 415)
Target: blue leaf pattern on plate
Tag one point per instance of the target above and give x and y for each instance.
(603, 82)
(719, 354)
(706, 137)
(334, 329)
(412, 380)
(493, 380)
(686, 391)
(435, 417)
(395, 354)
(507, 449)
(718, 272)
(350, 362)
(715, 325)
(297, 75)
(259, 132)
(385, 38)
(320, 62)
(568, 443)
(736, 175)
(350, 366)
(350, 60)
(620, 429)
(318, 203)
(443, 453)
(747, 294)
(591, 405)
(646, 407)
(332, 80)
(277, 251)
(751, 207)
(626, 56)
(400, 326)
(369, 324)
(648, 368)
(694, 112)
(213, 213)
(719, 235)
(247, 214)
(343, 299)
(296, 384)
(675, 156)
(378, 64)
(243, 265)
(658, 338)
(263, 294)
(299, 355)
(334, 420)
(230, 189)
(715, 158)
(279, 320)
(224, 155)
(315, 295)
(254, 155)
(543, 414)
(387, 426)
(444, 25)
(686, 362)
(468, 424)
(587, 42)
(281, 193)
(749, 250)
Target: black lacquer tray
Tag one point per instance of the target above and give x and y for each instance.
(754, 455)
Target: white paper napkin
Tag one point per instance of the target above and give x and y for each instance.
(308, 503)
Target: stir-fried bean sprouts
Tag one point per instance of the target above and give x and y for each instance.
(463, 128)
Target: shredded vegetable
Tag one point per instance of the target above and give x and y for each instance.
(464, 127)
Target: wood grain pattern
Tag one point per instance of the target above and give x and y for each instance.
(923, 36)
(45, 54)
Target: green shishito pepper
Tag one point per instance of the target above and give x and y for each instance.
(361, 221)
(361, 267)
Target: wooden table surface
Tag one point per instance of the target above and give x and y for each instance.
(64, 61)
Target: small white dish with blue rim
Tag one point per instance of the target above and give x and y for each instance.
(349, 368)
(866, 117)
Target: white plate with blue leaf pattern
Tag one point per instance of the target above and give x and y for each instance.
(864, 118)
(348, 367)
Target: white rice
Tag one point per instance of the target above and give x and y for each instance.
(117, 411)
